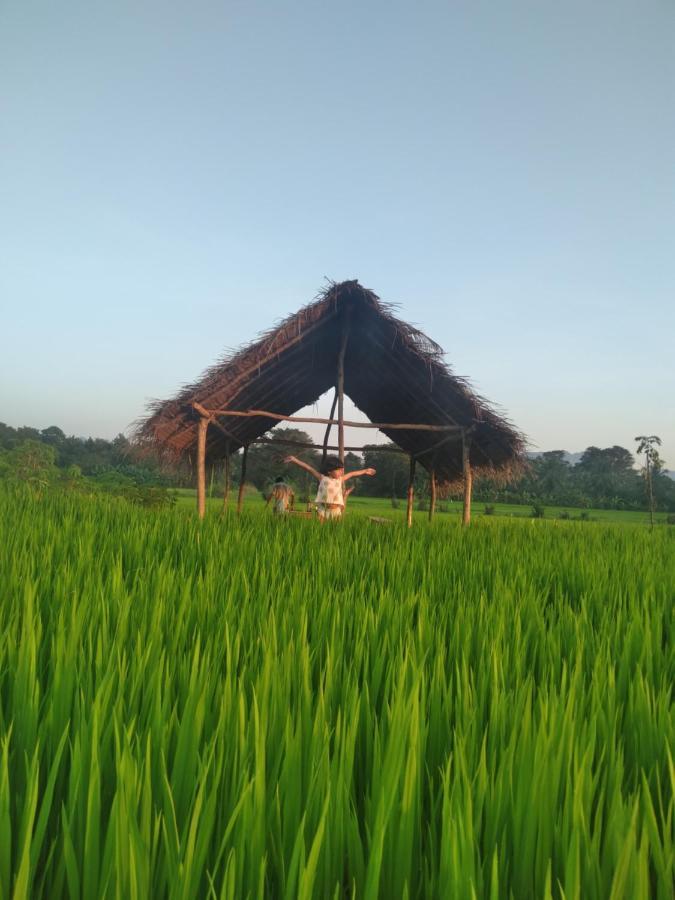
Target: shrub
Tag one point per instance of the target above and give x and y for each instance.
(537, 511)
(489, 510)
(564, 514)
(670, 520)
(154, 497)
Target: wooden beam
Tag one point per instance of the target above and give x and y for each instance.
(341, 389)
(315, 420)
(201, 466)
(212, 419)
(226, 491)
(411, 491)
(242, 481)
(328, 427)
(432, 494)
(468, 479)
(384, 448)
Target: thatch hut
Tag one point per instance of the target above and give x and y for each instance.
(348, 339)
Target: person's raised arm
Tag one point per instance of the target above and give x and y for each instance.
(356, 473)
(303, 465)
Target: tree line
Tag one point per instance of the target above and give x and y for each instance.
(48, 458)
(606, 478)
(603, 478)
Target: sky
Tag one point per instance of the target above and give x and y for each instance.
(176, 177)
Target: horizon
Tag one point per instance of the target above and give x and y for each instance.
(174, 181)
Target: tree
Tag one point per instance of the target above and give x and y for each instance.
(607, 477)
(52, 436)
(266, 461)
(647, 445)
(31, 462)
(392, 472)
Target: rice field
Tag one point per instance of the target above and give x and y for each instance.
(249, 708)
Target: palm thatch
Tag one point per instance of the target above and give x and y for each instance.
(393, 373)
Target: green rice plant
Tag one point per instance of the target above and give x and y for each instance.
(243, 707)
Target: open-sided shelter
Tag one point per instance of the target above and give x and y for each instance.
(347, 339)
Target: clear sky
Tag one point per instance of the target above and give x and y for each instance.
(174, 177)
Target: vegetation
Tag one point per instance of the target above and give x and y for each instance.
(246, 707)
(648, 445)
(603, 478)
(47, 460)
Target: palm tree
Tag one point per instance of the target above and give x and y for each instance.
(647, 444)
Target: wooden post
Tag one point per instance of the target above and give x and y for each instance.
(411, 491)
(328, 427)
(242, 482)
(341, 391)
(432, 494)
(201, 466)
(226, 491)
(468, 479)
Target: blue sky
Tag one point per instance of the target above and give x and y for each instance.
(174, 177)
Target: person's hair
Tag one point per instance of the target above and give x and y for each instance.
(279, 479)
(330, 465)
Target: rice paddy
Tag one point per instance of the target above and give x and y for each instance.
(251, 708)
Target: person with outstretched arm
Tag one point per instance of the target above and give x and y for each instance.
(330, 499)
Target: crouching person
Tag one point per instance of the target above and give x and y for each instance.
(281, 496)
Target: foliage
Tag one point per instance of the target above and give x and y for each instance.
(603, 478)
(266, 461)
(95, 456)
(244, 707)
(32, 464)
(647, 445)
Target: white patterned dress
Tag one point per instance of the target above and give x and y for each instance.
(330, 502)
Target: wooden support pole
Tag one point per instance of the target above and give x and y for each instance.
(468, 479)
(242, 482)
(201, 466)
(328, 427)
(411, 491)
(341, 391)
(226, 491)
(432, 494)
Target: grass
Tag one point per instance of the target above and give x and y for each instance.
(379, 506)
(252, 708)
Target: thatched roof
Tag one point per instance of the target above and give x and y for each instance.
(393, 373)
